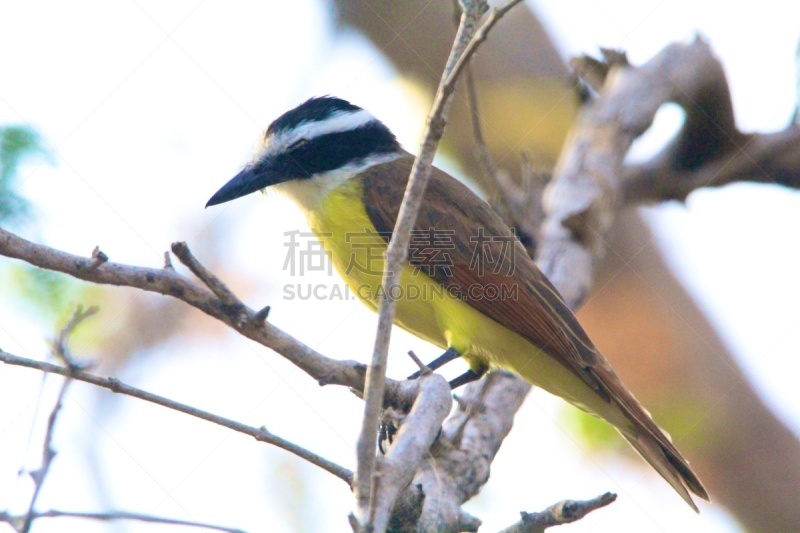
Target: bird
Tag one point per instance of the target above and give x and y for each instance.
(468, 285)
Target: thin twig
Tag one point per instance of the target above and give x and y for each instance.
(209, 279)
(488, 167)
(168, 261)
(117, 515)
(423, 368)
(114, 385)
(59, 344)
(464, 46)
(519, 207)
(48, 454)
(61, 352)
(564, 512)
(98, 258)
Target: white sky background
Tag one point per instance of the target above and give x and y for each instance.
(148, 109)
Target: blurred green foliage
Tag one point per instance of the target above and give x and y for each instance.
(16, 142)
(50, 294)
(598, 434)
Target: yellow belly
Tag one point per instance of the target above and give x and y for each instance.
(427, 310)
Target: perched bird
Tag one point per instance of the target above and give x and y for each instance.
(468, 286)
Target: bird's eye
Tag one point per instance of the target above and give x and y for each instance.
(298, 143)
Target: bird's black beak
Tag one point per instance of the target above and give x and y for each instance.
(252, 178)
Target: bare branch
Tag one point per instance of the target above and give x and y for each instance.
(114, 385)
(59, 344)
(465, 44)
(461, 458)
(593, 71)
(588, 190)
(48, 454)
(423, 368)
(168, 282)
(181, 250)
(410, 446)
(490, 173)
(771, 158)
(583, 198)
(116, 515)
(564, 512)
(60, 351)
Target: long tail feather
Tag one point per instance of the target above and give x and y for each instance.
(673, 468)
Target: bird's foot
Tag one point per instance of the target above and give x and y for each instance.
(467, 377)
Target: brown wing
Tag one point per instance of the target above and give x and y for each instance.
(475, 248)
(462, 222)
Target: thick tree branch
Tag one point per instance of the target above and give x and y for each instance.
(770, 158)
(460, 461)
(586, 193)
(591, 183)
(411, 445)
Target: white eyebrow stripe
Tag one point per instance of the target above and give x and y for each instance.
(341, 121)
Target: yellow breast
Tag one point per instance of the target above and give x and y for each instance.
(358, 254)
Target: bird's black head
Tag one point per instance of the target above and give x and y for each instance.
(320, 136)
(312, 110)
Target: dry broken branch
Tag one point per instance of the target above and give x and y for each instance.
(564, 512)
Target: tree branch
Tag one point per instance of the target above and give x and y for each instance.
(168, 282)
(564, 512)
(466, 42)
(585, 195)
(770, 158)
(48, 454)
(114, 385)
(708, 151)
(60, 350)
(411, 445)
(116, 515)
(460, 460)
